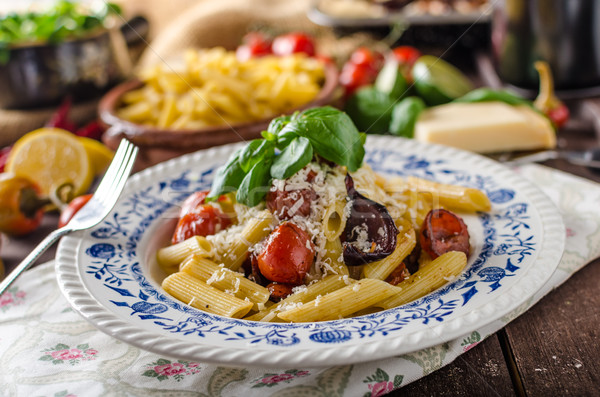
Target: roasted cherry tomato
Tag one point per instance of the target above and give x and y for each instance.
(21, 207)
(279, 291)
(293, 43)
(193, 201)
(74, 206)
(399, 274)
(254, 44)
(288, 203)
(443, 231)
(205, 220)
(287, 255)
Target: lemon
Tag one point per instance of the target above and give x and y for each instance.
(51, 157)
(439, 82)
(100, 155)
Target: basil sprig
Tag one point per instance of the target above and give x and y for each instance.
(288, 145)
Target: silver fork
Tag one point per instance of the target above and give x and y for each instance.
(103, 200)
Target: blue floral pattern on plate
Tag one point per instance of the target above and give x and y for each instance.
(113, 260)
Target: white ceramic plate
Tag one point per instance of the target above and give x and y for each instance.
(107, 273)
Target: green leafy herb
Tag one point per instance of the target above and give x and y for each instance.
(228, 177)
(292, 159)
(255, 152)
(405, 115)
(63, 21)
(255, 184)
(324, 131)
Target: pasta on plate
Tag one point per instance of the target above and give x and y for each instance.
(321, 240)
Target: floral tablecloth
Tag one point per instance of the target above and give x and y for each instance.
(47, 349)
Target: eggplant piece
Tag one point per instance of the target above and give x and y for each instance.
(370, 233)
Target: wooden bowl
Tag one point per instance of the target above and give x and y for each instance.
(157, 145)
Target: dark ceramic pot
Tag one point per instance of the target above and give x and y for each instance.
(43, 74)
(564, 33)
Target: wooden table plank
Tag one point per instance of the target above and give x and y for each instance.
(556, 344)
(481, 371)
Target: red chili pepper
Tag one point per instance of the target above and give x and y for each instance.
(4, 152)
(60, 118)
(93, 130)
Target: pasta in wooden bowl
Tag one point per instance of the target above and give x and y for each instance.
(212, 100)
(308, 233)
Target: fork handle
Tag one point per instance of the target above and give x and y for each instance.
(32, 257)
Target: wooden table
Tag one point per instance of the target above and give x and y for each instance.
(550, 350)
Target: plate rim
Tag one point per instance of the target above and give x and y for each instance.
(82, 301)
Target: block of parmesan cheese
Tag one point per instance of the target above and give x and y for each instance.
(485, 127)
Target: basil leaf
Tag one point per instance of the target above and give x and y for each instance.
(278, 123)
(269, 136)
(227, 178)
(370, 109)
(332, 135)
(405, 115)
(254, 152)
(255, 185)
(292, 159)
(285, 137)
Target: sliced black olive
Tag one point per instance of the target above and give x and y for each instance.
(370, 233)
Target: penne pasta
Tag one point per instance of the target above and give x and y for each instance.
(319, 288)
(427, 279)
(334, 220)
(452, 196)
(255, 230)
(225, 280)
(381, 269)
(342, 302)
(333, 259)
(202, 296)
(169, 258)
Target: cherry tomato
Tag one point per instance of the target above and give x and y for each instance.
(21, 208)
(205, 220)
(284, 203)
(354, 76)
(74, 206)
(360, 70)
(559, 115)
(399, 274)
(193, 201)
(292, 43)
(279, 291)
(406, 55)
(365, 56)
(443, 231)
(254, 44)
(287, 256)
